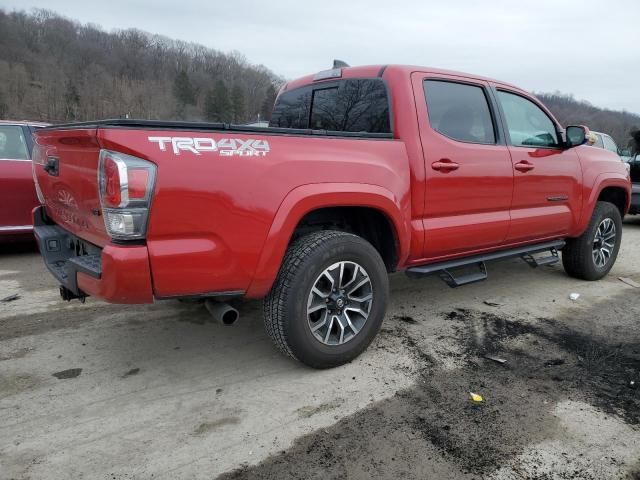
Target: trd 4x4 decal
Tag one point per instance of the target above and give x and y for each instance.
(226, 147)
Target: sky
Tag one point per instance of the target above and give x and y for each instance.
(590, 49)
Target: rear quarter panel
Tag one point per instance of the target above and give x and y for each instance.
(17, 196)
(211, 214)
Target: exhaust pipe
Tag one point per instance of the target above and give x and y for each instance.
(222, 313)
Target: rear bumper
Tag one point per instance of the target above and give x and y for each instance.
(115, 274)
(16, 234)
(16, 229)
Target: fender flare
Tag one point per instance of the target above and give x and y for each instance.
(306, 198)
(602, 181)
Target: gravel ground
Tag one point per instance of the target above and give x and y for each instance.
(103, 391)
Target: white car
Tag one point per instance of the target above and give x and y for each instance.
(605, 141)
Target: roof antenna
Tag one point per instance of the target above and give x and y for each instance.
(340, 64)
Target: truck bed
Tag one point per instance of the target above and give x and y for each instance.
(212, 210)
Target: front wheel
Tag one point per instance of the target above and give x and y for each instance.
(329, 299)
(592, 255)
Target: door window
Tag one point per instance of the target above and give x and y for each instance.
(527, 123)
(459, 111)
(12, 143)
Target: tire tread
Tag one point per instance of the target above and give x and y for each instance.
(274, 303)
(576, 254)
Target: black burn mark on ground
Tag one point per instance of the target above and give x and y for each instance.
(66, 374)
(433, 430)
(133, 371)
(609, 373)
(406, 319)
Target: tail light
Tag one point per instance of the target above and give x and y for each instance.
(126, 187)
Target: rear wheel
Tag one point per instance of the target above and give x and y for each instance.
(329, 299)
(592, 255)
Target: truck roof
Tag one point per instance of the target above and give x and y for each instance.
(369, 71)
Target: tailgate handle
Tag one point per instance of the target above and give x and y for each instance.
(51, 167)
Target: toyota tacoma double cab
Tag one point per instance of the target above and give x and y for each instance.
(362, 171)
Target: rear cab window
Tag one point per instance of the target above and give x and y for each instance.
(350, 105)
(459, 111)
(292, 108)
(13, 145)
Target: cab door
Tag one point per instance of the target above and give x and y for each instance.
(17, 189)
(547, 196)
(469, 176)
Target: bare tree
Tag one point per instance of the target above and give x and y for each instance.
(570, 111)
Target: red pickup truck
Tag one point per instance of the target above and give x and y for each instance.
(362, 171)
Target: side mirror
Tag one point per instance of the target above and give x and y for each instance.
(576, 135)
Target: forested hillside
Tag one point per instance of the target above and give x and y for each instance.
(55, 69)
(570, 111)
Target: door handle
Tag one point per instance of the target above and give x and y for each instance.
(445, 165)
(524, 166)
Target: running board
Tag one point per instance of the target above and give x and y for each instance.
(534, 262)
(444, 269)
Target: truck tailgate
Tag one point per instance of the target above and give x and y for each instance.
(66, 171)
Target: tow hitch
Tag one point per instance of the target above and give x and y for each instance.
(68, 295)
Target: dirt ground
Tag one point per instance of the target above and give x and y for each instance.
(104, 391)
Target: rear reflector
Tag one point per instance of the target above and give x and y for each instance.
(129, 224)
(138, 180)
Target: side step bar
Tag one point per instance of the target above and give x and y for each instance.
(444, 269)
